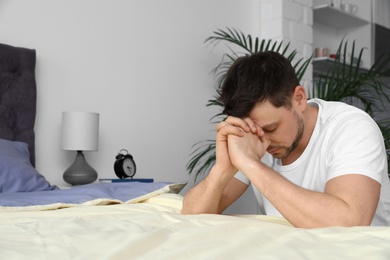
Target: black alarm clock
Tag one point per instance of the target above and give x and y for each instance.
(124, 165)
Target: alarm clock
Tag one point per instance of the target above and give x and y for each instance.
(124, 165)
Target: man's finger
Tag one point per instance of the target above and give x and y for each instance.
(238, 122)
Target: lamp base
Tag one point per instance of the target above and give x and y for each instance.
(80, 172)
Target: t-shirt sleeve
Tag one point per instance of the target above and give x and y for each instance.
(241, 177)
(357, 147)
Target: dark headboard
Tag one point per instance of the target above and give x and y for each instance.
(18, 95)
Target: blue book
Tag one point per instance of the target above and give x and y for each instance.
(148, 180)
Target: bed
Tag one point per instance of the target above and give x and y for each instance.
(133, 220)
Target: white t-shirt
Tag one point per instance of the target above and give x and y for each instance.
(345, 140)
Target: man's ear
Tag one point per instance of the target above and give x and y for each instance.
(300, 97)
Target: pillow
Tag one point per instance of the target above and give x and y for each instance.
(16, 171)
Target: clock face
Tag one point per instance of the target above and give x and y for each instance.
(129, 167)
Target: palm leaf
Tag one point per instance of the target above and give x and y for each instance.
(203, 155)
(346, 80)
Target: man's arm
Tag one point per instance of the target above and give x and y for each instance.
(213, 194)
(348, 200)
(219, 189)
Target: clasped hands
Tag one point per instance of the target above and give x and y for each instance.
(239, 142)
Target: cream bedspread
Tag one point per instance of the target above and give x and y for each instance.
(155, 229)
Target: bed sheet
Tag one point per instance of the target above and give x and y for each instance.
(155, 229)
(90, 194)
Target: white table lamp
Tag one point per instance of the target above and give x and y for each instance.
(80, 132)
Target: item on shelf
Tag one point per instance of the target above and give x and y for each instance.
(349, 8)
(336, 4)
(333, 56)
(321, 52)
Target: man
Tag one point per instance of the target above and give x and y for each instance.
(316, 163)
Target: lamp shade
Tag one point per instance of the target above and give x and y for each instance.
(80, 131)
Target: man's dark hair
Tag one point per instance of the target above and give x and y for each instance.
(256, 78)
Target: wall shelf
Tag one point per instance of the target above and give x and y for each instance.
(322, 65)
(336, 18)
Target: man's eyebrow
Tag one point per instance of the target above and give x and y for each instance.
(269, 125)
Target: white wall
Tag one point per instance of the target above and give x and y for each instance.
(142, 65)
(290, 21)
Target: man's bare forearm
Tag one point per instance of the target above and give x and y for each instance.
(206, 196)
(311, 209)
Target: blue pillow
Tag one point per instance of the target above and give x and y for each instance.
(16, 172)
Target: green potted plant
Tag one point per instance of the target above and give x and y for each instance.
(345, 81)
